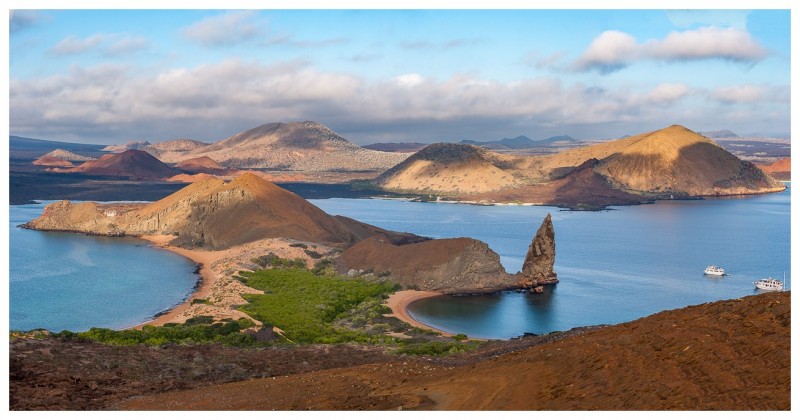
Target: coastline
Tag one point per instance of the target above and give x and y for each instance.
(201, 291)
(398, 302)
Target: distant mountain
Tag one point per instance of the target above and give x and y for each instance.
(47, 160)
(173, 150)
(519, 142)
(297, 146)
(60, 157)
(674, 161)
(396, 147)
(27, 149)
(454, 168)
(721, 134)
(134, 164)
(131, 145)
(203, 164)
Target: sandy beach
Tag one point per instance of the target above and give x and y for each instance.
(398, 302)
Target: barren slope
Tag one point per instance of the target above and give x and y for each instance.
(727, 355)
(134, 164)
(299, 146)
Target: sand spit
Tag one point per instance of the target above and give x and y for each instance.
(398, 302)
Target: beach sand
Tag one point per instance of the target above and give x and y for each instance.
(398, 302)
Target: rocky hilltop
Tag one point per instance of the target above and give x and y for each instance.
(296, 146)
(668, 163)
(172, 150)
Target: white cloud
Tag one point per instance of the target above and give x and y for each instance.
(106, 44)
(751, 94)
(709, 42)
(668, 92)
(210, 102)
(227, 29)
(610, 51)
(75, 45)
(409, 80)
(614, 50)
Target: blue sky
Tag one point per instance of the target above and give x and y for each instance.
(106, 76)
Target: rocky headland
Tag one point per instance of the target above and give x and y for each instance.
(213, 215)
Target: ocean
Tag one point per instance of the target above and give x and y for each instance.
(67, 281)
(614, 266)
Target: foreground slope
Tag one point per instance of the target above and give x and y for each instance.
(727, 355)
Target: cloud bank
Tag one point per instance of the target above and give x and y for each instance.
(110, 103)
(615, 50)
(224, 30)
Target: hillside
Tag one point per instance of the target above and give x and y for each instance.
(295, 146)
(47, 160)
(172, 150)
(131, 145)
(780, 169)
(727, 355)
(67, 155)
(133, 164)
(674, 161)
(450, 168)
(203, 164)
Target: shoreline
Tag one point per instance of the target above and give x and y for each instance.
(202, 290)
(398, 302)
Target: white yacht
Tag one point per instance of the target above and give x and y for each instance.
(773, 285)
(713, 270)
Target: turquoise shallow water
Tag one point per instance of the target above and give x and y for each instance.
(70, 281)
(614, 266)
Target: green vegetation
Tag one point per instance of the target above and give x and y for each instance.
(309, 306)
(194, 331)
(274, 261)
(306, 306)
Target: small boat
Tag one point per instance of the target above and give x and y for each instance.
(773, 285)
(713, 270)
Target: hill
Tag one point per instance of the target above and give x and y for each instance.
(47, 160)
(448, 167)
(203, 164)
(780, 169)
(720, 134)
(66, 155)
(131, 145)
(172, 150)
(133, 164)
(296, 146)
(521, 142)
(670, 162)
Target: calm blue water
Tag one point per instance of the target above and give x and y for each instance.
(69, 281)
(614, 266)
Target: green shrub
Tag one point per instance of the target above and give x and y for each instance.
(305, 305)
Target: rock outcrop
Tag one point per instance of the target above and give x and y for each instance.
(538, 266)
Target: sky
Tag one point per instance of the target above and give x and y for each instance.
(112, 76)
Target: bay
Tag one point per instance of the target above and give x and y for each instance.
(71, 281)
(614, 266)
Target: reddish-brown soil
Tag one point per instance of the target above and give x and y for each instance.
(134, 164)
(727, 355)
(52, 161)
(780, 169)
